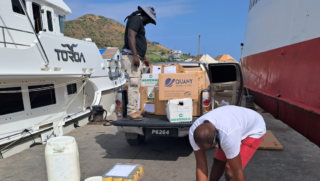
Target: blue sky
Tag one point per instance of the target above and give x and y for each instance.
(221, 24)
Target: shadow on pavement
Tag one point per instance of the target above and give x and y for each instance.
(154, 148)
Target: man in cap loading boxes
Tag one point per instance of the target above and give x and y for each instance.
(238, 132)
(133, 52)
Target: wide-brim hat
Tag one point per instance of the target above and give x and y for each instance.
(149, 10)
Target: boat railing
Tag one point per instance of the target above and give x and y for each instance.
(12, 43)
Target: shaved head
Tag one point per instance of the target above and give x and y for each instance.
(204, 134)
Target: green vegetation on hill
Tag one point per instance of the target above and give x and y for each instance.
(154, 48)
(186, 56)
(153, 56)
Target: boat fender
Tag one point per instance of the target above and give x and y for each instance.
(97, 114)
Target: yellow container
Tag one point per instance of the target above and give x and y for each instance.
(140, 168)
(96, 178)
(134, 175)
(130, 178)
(117, 179)
(107, 179)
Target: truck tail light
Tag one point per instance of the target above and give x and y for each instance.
(206, 104)
(207, 109)
(121, 103)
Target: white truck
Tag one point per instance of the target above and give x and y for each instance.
(226, 83)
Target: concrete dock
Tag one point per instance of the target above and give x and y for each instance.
(170, 158)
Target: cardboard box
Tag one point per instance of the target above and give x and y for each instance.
(156, 69)
(172, 68)
(166, 68)
(143, 94)
(179, 110)
(201, 78)
(195, 69)
(270, 142)
(126, 86)
(159, 105)
(178, 86)
(149, 107)
(150, 80)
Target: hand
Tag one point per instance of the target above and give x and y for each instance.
(236, 169)
(201, 163)
(146, 61)
(136, 61)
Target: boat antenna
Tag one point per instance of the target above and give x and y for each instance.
(34, 31)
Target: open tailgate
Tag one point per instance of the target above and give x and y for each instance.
(153, 121)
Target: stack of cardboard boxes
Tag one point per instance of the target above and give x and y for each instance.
(166, 82)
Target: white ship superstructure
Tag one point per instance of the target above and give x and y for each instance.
(47, 80)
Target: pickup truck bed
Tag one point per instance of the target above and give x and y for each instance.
(153, 121)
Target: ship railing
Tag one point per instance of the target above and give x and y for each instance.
(10, 43)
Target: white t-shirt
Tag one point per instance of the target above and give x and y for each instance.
(234, 125)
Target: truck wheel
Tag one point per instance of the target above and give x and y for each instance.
(134, 139)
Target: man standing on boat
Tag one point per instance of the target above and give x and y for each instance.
(238, 132)
(133, 54)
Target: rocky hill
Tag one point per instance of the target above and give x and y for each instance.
(105, 32)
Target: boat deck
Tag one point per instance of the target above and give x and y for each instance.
(169, 158)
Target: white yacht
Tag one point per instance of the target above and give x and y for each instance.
(48, 82)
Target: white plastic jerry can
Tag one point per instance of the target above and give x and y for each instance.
(62, 159)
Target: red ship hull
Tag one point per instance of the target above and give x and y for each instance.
(285, 82)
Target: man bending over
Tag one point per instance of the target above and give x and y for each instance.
(238, 132)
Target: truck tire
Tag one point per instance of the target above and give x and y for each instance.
(134, 139)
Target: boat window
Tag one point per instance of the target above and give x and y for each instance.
(16, 6)
(43, 97)
(49, 18)
(11, 102)
(72, 88)
(37, 17)
(61, 23)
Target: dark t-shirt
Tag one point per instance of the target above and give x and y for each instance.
(135, 23)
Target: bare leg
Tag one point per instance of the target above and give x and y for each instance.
(217, 170)
(228, 175)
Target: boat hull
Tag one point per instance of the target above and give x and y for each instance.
(285, 82)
